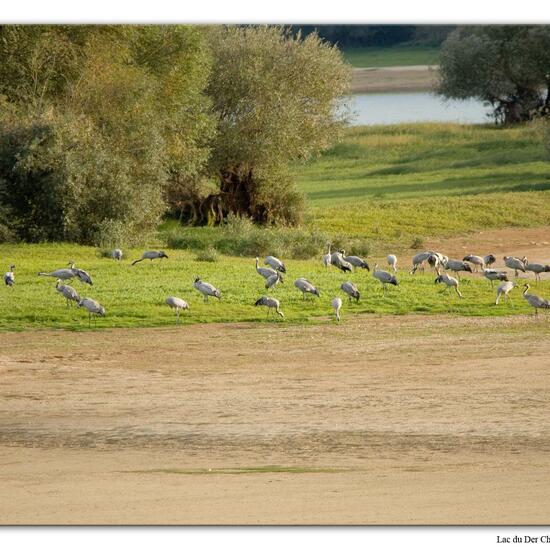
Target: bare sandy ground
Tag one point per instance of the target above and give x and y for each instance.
(378, 420)
(413, 78)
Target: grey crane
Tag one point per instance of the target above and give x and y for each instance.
(514, 263)
(489, 259)
(68, 292)
(81, 275)
(265, 272)
(536, 301)
(504, 288)
(337, 259)
(384, 277)
(337, 306)
(178, 304)
(9, 276)
(419, 259)
(476, 261)
(537, 269)
(494, 275)
(450, 282)
(270, 282)
(392, 262)
(351, 290)
(275, 263)
(206, 289)
(327, 258)
(151, 255)
(306, 287)
(270, 303)
(457, 265)
(356, 261)
(93, 307)
(64, 274)
(116, 254)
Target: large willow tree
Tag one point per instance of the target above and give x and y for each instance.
(275, 98)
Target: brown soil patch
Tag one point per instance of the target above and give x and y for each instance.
(415, 78)
(405, 419)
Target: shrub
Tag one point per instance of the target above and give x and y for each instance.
(208, 255)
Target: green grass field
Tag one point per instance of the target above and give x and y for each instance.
(391, 57)
(389, 184)
(134, 296)
(383, 185)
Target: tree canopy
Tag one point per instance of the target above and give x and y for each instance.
(506, 66)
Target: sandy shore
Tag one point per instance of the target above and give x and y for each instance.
(413, 78)
(378, 420)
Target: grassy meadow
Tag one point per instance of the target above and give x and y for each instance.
(381, 189)
(390, 184)
(134, 296)
(391, 57)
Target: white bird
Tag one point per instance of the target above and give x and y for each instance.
(274, 280)
(477, 261)
(356, 261)
(275, 263)
(514, 263)
(178, 304)
(384, 277)
(537, 269)
(116, 254)
(337, 305)
(151, 255)
(536, 301)
(265, 272)
(306, 287)
(206, 289)
(68, 292)
(450, 282)
(270, 303)
(392, 262)
(337, 259)
(494, 275)
(327, 258)
(351, 290)
(81, 275)
(9, 276)
(93, 307)
(504, 288)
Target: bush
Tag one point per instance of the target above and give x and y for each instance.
(208, 255)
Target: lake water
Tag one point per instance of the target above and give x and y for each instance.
(395, 108)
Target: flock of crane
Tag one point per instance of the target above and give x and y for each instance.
(276, 270)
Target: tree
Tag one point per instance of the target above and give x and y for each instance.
(505, 66)
(100, 121)
(275, 97)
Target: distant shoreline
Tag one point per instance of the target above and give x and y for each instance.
(414, 78)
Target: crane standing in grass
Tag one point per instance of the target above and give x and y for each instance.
(337, 306)
(68, 292)
(81, 275)
(116, 254)
(503, 289)
(515, 263)
(384, 277)
(274, 280)
(494, 275)
(93, 307)
(537, 269)
(536, 301)
(356, 261)
(327, 258)
(9, 276)
(306, 287)
(64, 274)
(450, 282)
(151, 255)
(351, 290)
(275, 263)
(206, 289)
(270, 303)
(178, 304)
(265, 272)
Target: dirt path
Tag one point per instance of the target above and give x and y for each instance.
(405, 419)
(414, 78)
